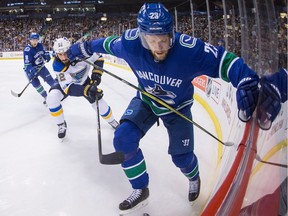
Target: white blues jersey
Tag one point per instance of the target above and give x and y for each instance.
(73, 74)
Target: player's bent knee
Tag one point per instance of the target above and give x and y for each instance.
(127, 137)
(182, 160)
(54, 97)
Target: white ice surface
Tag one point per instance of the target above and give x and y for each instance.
(41, 176)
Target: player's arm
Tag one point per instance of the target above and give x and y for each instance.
(30, 70)
(111, 45)
(233, 69)
(47, 56)
(217, 62)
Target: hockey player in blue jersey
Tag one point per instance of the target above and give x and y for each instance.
(273, 93)
(35, 57)
(74, 81)
(165, 62)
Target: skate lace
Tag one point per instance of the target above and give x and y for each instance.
(62, 128)
(134, 196)
(193, 186)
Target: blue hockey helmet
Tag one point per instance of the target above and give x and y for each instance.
(155, 19)
(34, 35)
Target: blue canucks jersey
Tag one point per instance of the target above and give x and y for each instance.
(33, 56)
(170, 79)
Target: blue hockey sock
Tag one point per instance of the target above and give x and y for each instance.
(135, 170)
(188, 164)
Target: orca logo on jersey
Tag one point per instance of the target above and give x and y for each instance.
(159, 92)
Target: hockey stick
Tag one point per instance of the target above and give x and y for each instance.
(30, 81)
(258, 158)
(158, 100)
(109, 159)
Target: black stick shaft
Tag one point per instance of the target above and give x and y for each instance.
(158, 100)
(108, 159)
(30, 81)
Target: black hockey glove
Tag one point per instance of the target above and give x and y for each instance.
(269, 103)
(247, 97)
(47, 56)
(96, 75)
(31, 73)
(92, 92)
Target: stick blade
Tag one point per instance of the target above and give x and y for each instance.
(15, 94)
(228, 143)
(112, 158)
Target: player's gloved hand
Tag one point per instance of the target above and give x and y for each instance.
(92, 92)
(47, 56)
(79, 51)
(31, 73)
(96, 75)
(269, 103)
(247, 97)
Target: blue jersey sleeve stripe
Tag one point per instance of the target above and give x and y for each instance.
(226, 62)
(221, 63)
(107, 42)
(231, 64)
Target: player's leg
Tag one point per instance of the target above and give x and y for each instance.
(135, 122)
(106, 113)
(181, 147)
(54, 98)
(46, 76)
(39, 88)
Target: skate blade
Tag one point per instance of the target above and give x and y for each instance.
(137, 207)
(61, 140)
(192, 203)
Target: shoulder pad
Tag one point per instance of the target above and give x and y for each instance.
(131, 34)
(59, 66)
(27, 49)
(40, 45)
(187, 41)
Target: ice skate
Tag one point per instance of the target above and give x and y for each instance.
(137, 200)
(45, 103)
(194, 189)
(62, 130)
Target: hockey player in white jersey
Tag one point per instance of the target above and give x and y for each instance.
(74, 80)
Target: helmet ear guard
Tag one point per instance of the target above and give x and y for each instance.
(154, 19)
(61, 45)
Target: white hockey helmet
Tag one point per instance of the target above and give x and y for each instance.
(61, 45)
